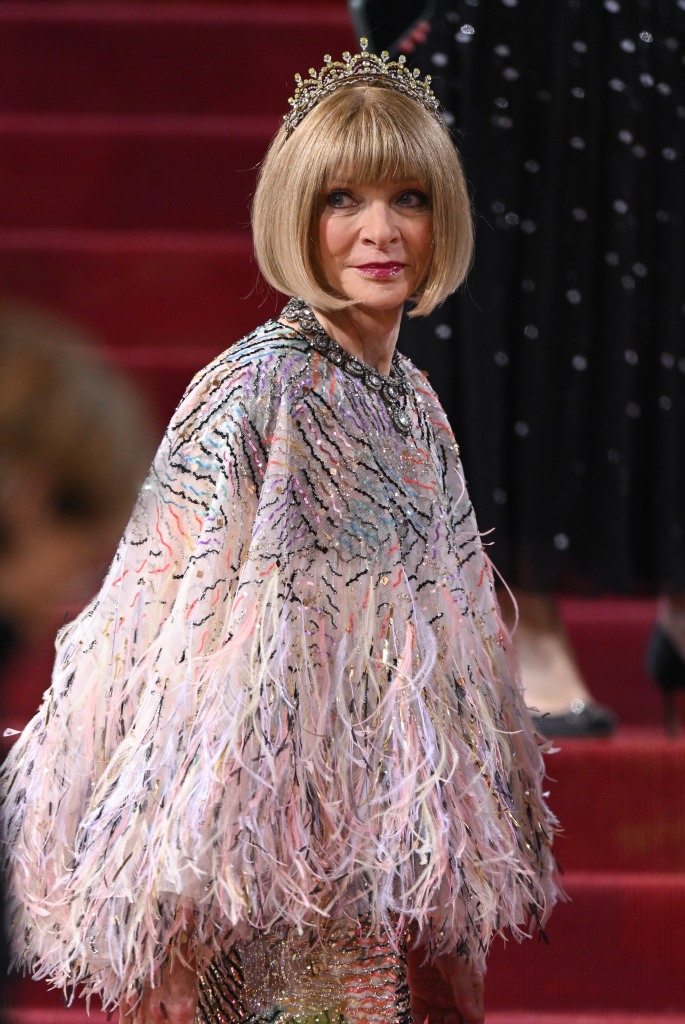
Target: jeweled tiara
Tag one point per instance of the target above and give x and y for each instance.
(359, 67)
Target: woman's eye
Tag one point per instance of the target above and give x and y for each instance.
(413, 197)
(339, 199)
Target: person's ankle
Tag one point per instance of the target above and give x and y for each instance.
(671, 618)
(551, 679)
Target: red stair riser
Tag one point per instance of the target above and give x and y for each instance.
(614, 667)
(77, 1015)
(620, 802)
(164, 291)
(615, 946)
(131, 177)
(166, 59)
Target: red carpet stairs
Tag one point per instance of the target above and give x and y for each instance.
(129, 138)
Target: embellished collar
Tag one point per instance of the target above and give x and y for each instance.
(392, 388)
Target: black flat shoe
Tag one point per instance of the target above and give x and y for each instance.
(581, 721)
(666, 666)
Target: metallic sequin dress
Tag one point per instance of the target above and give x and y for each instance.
(289, 720)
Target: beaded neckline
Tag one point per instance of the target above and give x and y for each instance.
(392, 389)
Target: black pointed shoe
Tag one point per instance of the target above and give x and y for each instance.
(583, 720)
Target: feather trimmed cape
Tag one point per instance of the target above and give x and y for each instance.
(292, 700)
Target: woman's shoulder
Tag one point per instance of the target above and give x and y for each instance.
(259, 368)
(268, 348)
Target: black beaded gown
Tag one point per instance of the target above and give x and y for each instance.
(561, 364)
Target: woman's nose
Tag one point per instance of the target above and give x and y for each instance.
(380, 224)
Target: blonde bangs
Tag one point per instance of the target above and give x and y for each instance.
(375, 144)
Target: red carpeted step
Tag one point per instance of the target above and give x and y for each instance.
(164, 303)
(582, 1018)
(610, 637)
(130, 173)
(54, 1015)
(614, 947)
(155, 289)
(217, 5)
(77, 1015)
(175, 58)
(620, 802)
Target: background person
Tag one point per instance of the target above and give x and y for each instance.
(562, 366)
(74, 446)
(75, 442)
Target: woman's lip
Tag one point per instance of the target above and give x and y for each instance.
(381, 269)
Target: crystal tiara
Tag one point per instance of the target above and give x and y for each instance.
(352, 69)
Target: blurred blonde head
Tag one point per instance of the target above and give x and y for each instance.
(75, 443)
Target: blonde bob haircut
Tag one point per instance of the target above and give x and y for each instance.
(364, 135)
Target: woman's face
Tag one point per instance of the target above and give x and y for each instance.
(375, 242)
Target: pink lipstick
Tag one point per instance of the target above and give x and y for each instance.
(381, 270)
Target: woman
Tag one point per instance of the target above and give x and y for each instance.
(284, 751)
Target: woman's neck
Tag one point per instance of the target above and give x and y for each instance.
(370, 335)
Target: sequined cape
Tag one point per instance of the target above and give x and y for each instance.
(291, 701)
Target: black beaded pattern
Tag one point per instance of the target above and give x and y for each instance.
(221, 992)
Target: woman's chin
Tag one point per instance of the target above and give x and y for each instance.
(379, 295)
